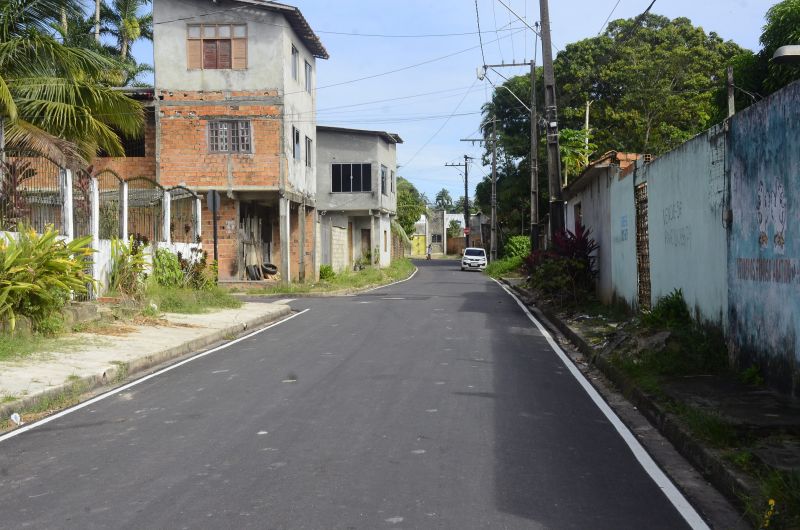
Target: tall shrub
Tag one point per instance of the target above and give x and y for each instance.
(38, 273)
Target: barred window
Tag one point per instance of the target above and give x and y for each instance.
(229, 136)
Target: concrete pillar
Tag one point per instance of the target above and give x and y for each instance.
(67, 220)
(315, 249)
(198, 219)
(301, 218)
(165, 225)
(375, 229)
(283, 213)
(94, 191)
(123, 211)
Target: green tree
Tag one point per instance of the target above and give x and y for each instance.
(454, 229)
(443, 200)
(53, 96)
(458, 207)
(575, 146)
(126, 21)
(754, 74)
(410, 205)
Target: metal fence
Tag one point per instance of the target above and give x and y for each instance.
(145, 209)
(111, 201)
(183, 221)
(32, 192)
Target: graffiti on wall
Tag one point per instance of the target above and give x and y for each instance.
(764, 244)
(676, 232)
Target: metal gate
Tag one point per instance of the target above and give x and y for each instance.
(642, 246)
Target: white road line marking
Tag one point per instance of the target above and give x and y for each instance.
(416, 270)
(663, 482)
(132, 384)
(283, 301)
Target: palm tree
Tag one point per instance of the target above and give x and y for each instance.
(122, 21)
(53, 98)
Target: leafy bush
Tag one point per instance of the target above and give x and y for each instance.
(127, 267)
(517, 247)
(669, 312)
(326, 273)
(167, 270)
(38, 273)
(197, 272)
(567, 269)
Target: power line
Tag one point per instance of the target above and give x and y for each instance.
(480, 38)
(455, 110)
(608, 17)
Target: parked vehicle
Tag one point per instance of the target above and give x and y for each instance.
(473, 258)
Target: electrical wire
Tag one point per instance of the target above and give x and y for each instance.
(435, 134)
(608, 17)
(480, 38)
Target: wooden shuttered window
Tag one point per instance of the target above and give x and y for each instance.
(216, 46)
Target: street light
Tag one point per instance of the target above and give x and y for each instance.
(787, 55)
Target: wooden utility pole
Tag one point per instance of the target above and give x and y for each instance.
(465, 165)
(551, 116)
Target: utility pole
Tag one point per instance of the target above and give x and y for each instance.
(551, 116)
(493, 237)
(465, 165)
(534, 164)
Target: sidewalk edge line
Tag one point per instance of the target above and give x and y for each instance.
(113, 391)
(416, 270)
(658, 476)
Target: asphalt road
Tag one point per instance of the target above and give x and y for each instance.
(434, 403)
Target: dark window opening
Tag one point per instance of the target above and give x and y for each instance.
(347, 178)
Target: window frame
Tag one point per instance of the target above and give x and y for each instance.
(237, 46)
(309, 151)
(295, 58)
(232, 137)
(384, 171)
(297, 152)
(391, 179)
(363, 180)
(308, 73)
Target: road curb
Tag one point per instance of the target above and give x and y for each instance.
(120, 371)
(705, 460)
(340, 292)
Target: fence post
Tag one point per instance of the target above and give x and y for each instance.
(94, 187)
(66, 210)
(198, 218)
(123, 214)
(166, 224)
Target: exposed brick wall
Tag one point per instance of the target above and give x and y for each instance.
(311, 235)
(294, 242)
(185, 156)
(227, 240)
(129, 167)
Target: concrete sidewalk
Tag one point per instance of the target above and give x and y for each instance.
(105, 358)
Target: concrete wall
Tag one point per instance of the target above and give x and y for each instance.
(764, 251)
(299, 107)
(595, 204)
(384, 226)
(624, 277)
(266, 56)
(686, 191)
(355, 148)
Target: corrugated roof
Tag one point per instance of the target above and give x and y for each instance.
(388, 137)
(298, 22)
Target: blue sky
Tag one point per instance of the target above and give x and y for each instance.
(449, 86)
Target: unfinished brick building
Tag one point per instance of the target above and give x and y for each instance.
(233, 110)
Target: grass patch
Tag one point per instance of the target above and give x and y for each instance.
(505, 267)
(777, 504)
(184, 300)
(707, 426)
(368, 277)
(17, 348)
(51, 403)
